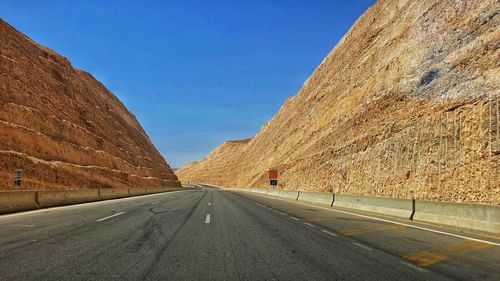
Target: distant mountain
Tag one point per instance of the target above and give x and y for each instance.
(406, 105)
(64, 129)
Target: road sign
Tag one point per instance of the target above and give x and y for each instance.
(18, 174)
(273, 182)
(273, 174)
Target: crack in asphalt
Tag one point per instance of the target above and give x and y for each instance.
(159, 251)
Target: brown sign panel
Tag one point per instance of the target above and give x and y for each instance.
(273, 174)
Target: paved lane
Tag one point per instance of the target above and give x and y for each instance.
(209, 235)
(424, 247)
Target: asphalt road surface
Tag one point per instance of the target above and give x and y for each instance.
(209, 234)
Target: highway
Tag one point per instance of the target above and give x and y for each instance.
(211, 234)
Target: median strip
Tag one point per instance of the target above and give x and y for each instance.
(112, 216)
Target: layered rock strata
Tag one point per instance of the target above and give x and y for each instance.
(406, 105)
(64, 129)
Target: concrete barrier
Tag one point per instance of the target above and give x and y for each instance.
(389, 206)
(16, 201)
(82, 196)
(112, 193)
(13, 201)
(317, 197)
(273, 192)
(152, 190)
(52, 198)
(137, 191)
(470, 216)
(254, 190)
(289, 194)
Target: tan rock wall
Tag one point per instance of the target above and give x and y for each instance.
(64, 128)
(406, 105)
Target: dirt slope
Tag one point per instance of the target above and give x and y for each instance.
(406, 105)
(64, 128)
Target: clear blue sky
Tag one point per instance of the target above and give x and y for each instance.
(195, 73)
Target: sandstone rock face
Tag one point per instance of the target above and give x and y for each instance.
(64, 129)
(406, 105)
(218, 166)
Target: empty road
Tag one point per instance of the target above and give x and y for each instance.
(210, 234)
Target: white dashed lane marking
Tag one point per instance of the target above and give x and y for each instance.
(329, 233)
(362, 246)
(413, 266)
(105, 218)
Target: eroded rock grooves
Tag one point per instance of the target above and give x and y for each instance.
(406, 105)
(64, 128)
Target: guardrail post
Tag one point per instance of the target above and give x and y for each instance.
(412, 208)
(36, 199)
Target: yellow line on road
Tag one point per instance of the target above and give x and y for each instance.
(371, 230)
(315, 219)
(429, 257)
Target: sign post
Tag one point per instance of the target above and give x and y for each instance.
(273, 178)
(18, 174)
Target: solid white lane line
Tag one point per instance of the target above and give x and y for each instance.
(308, 224)
(207, 218)
(329, 233)
(154, 203)
(362, 246)
(413, 266)
(394, 222)
(112, 216)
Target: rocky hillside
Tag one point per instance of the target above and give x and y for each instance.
(218, 165)
(406, 105)
(64, 129)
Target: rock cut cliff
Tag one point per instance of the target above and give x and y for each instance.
(406, 105)
(64, 129)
